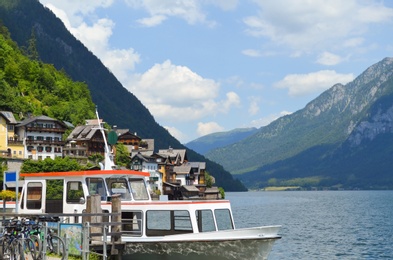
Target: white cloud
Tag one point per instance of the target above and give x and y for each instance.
(268, 119)
(179, 135)
(305, 25)
(225, 5)
(353, 42)
(171, 91)
(189, 10)
(232, 99)
(95, 36)
(75, 10)
(152, 21)
(208, 128)
(254, 105)
(252, 53)
(327, 58)
(303, 84)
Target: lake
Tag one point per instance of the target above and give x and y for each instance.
(321, 224)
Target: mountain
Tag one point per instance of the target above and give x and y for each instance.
(29, 22)
(343, 137)
(212, 141)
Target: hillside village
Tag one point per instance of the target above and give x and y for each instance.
(41, 137)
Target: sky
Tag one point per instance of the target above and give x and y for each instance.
(205, 66)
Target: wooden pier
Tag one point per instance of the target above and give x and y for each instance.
(100, 232)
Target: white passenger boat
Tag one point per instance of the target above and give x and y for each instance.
(168, 228)
(163, 229)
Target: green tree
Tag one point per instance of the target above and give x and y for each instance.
(96, 158)
(51, 165)
(208, 180)
(122, 157)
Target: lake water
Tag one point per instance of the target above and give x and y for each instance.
(321, 224)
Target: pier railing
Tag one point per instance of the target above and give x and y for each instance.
(86, 237)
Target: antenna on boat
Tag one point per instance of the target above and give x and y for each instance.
(108, 163)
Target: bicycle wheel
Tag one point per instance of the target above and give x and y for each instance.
(29, 249)
(16, 250)
(37, 245)
(5, 248)
(56, 246)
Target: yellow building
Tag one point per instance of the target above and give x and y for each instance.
(10, 145)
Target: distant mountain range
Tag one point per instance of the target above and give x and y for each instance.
(31, 25)
(212, 141)
(342, 139)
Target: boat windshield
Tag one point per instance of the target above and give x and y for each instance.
(97, 186)
(119, 186)
(138, 188)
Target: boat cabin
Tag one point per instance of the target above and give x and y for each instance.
(66, 192)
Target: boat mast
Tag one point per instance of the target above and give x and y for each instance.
(108, 163)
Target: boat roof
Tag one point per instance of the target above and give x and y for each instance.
(98, 173)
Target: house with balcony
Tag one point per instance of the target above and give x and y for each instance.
(192, 179)
(133, 142)
(84, 141)
(149, 162)
(42, 137)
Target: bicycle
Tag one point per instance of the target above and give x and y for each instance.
(54, 244)
(15, 244)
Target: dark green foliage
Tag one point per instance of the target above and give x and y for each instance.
(122, 156)
(54, 189)
(31, 86)
(55, 45)
(96, 158)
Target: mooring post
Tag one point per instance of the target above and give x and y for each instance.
(93, 205)
(116, 208)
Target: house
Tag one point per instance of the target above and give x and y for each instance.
(177, 156)
(42, 137)
(173, 157)
(191, 173)
(84, 141)
(131, 140)
(149, 162)
(10, 143)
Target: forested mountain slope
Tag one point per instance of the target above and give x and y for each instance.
(29, 22)
(212, 141)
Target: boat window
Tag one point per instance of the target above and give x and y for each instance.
(132, 223)
(34, 195)
(75, 192)
(54, 196)
(119, 186)
(223, 219)
(96, 186)
(205, 220)
(167, 222)
(138, 189)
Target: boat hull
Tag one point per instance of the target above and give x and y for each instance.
(253, 243)
(231, 249)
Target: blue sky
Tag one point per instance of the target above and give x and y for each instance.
(204, 66)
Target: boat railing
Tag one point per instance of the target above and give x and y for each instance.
(101, 238)
(132, 227)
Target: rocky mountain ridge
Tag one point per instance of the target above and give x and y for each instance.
(345, 120)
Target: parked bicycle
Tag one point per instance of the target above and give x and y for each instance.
(15, 244)
(30, 239)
